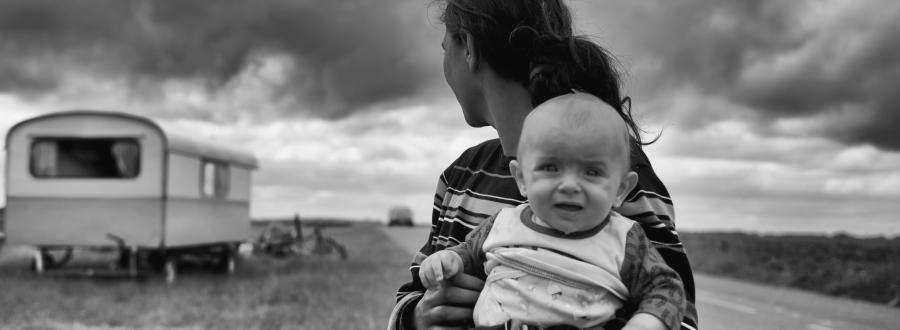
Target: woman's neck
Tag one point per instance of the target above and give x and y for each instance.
(508, 103)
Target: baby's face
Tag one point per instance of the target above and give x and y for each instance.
(572, 176)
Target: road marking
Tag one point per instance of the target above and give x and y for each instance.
(729, 305)
(814, 326)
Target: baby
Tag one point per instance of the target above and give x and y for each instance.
(565, 257)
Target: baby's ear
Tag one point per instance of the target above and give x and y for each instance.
(629, 181)
(516, 172)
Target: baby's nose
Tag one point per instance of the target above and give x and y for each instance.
(569, 185)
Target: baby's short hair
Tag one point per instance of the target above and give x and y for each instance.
(578, 111)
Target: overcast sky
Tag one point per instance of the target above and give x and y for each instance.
(776, 116)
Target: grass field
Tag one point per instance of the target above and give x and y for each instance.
(862, 268)
(265, 293)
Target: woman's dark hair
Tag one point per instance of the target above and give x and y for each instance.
(531, 42)
(491, 21)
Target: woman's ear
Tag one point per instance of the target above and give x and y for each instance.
(629, 181)
(469, 43)
(516, 171)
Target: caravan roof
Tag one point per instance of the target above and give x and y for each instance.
(175, 140)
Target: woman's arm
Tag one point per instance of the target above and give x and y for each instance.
(450, 304)
(474, 187)
(650, 205)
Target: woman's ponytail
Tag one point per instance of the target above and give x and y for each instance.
(558, 66)
(549, 57)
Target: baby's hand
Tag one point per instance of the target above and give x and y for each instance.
(439, 266)
(644, 321)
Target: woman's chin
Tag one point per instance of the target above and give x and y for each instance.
(476, 123)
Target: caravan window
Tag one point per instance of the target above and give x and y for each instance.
(85, 158)
(214, 179)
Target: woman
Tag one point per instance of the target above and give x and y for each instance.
(502, 58)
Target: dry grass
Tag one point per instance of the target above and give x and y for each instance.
(265, 293)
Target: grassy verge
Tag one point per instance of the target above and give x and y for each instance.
(265, 293)
(844, 266)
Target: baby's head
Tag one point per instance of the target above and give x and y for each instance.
(573, 161)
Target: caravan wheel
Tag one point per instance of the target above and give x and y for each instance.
(230, 264)
(170, 269)
(226, 261)
(37, 262)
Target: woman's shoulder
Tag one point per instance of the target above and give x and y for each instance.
(647, 178)
(484, 169)
(491, 146)
(485, 154)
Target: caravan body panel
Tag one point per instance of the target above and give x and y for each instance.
(181, 191)
(84, 221)
(194, 218)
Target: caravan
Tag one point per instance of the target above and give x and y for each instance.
(110, 179)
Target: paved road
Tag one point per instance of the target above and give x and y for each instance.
(735, 305)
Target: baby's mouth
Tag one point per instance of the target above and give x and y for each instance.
(568, 207)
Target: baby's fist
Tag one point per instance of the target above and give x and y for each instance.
(439, 266)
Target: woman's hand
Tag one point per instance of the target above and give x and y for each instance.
(449, 305)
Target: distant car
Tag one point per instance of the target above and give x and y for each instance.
(400, 216)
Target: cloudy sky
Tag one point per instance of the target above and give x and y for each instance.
(776, 116)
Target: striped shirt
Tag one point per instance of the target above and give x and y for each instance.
(478, 184)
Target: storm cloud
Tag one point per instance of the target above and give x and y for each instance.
(830, 65)
(836, 63)
(335, 56)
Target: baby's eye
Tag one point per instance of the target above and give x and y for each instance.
(547, 168)
(593, 172)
